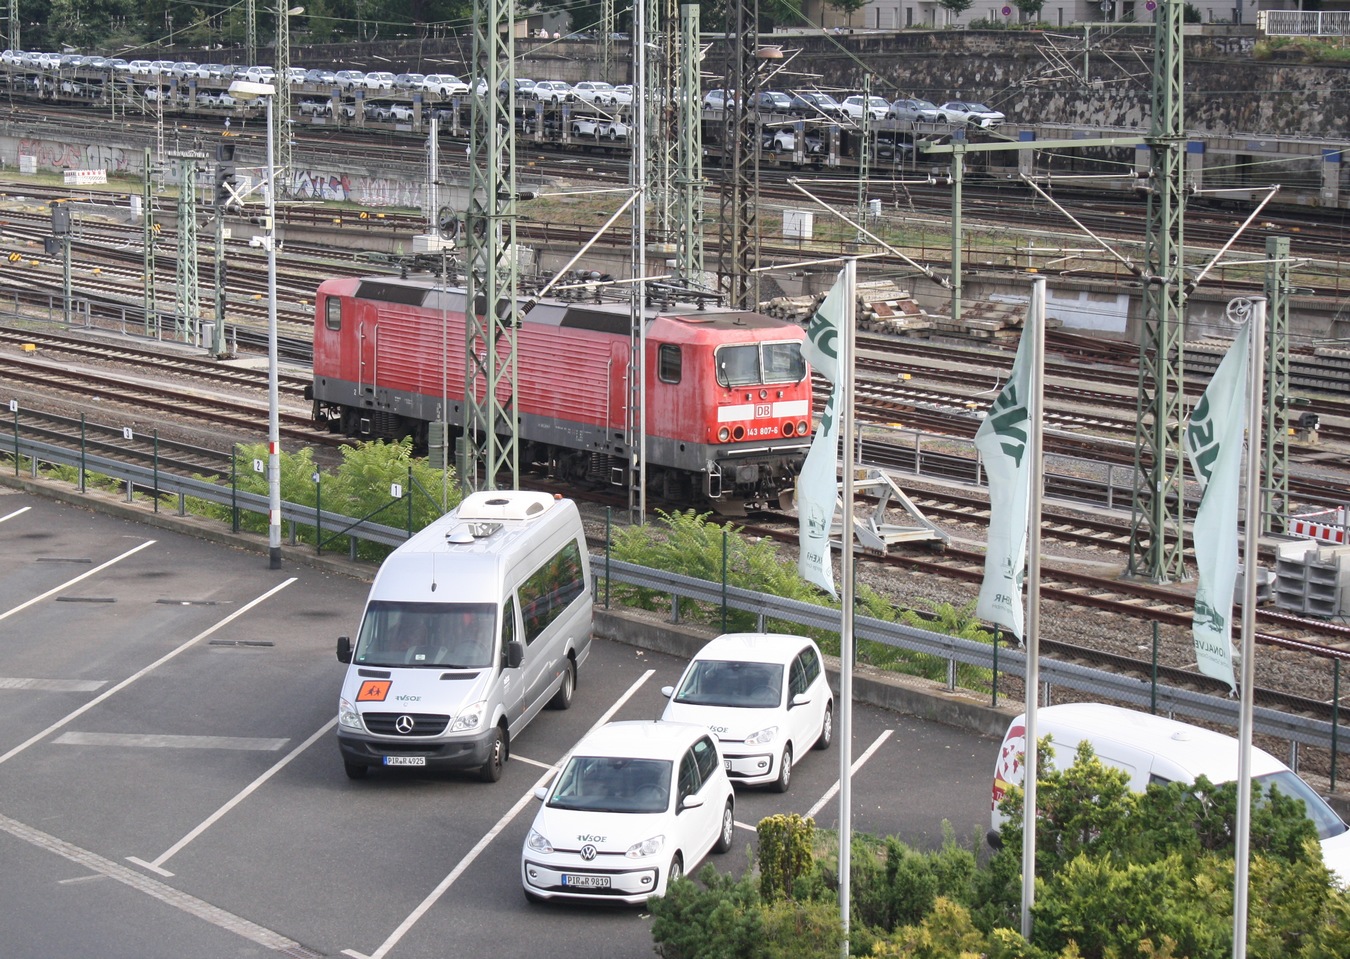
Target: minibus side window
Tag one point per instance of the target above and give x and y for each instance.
(508, 626)
(550, 589)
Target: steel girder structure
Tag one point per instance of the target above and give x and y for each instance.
(148, 232)
(189, 295)
(738, 224)
(281, 101)
(491, 436)
(1275, 449)
(689, 163)
(1157, 534)
(663, 133)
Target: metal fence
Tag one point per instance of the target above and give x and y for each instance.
(1304, 23)
(992, 660)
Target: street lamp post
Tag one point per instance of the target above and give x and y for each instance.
(248, 90)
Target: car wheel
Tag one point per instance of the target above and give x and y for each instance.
(356, 770)
(780, 785)
(491, 770)
(676, 871)
(562, 699)
(728, 832)
(826, 727)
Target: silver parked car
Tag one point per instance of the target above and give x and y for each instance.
(972, 112)
(917, 110)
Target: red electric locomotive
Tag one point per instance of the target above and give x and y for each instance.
(728, 394)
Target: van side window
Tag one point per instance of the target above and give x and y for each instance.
(508, 625)
(332, 313)
(669, 363)
(550, 589)
(705, 754)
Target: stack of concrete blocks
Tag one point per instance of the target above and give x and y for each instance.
(1313, 579)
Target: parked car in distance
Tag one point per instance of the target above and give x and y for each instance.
(139, 68)
(409, 81)
(766, 698)
(771, 101)
(917, 110)
(635, 805)
(295, 75)
(717, 99)
(349, 80)
(444, 84)
(784, 140)
(878, 108)
(553, 91)
(523, 88)
(586, 126)
(597, 92)
(391, 112)
(315, 108)
(379, 80)
(623, 94)
(971, 112)
(894, 145)
(807, 103)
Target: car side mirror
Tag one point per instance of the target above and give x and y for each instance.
(667, 691)
(801, 699)
(541, 793)
(515, 654)
(344, 649)
(691, 802)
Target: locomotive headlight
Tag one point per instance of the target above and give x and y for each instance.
(763, 394)
(788, 428)
(803, 428)
(723, 435)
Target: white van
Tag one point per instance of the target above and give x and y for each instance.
(1155, 749)
(472, 626)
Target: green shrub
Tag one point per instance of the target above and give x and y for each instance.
(712, 917)
(785, 855)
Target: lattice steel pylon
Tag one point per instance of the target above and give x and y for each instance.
(663, 134)
(738, 224)
(688, 179)
(148, 232)
(15, 33)
(491, 436)
(1275, 451)
(250, 32)
(281, 102)
(188, 307)
(1157, 533)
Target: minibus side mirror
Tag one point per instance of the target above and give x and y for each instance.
(344, 649)
(515, 654)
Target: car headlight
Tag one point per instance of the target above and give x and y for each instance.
(536, 841)
(763, 736)
(470, 718)
(648, 847)
(347, 715)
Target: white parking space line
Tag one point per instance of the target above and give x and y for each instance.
(156, 740)
(17, 512)
(262, 936)
(491, 834)
(70, 717)
(54, 685)
(71, 582)
(215, 817)
(857, 764)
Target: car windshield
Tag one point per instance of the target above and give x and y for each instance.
(613, 784)
(431, 635)
(1290, 785)
(978, 108)
(713, 682)
(923, 104)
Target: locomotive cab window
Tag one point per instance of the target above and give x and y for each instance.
(669, 363)
(753, 364)
(332, 313)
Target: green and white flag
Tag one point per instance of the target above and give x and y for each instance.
(1214, 446)
(817, 484)
(1002, 441)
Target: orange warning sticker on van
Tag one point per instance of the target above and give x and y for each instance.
(374, 690)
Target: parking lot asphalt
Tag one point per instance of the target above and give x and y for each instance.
(170, 784)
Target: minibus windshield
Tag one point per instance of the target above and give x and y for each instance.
(435, 635)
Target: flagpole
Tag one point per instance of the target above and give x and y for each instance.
(1033, 677)
(1256, 333)
(845, 732)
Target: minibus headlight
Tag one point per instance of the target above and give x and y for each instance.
(648, 847)
(536, 841)
(470, 718)
(347, 715)
(763, 736)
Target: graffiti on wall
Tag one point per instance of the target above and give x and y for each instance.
(76, 156)
(365, 190)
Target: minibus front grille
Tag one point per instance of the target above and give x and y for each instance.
(406, 724)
